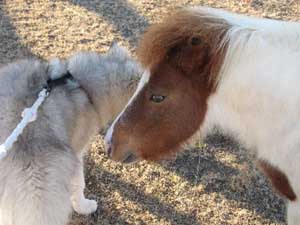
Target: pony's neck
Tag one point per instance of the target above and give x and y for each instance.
(259, 71)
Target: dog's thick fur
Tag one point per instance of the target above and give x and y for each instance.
(42, 176)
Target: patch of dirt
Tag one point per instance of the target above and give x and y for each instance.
(213, 183)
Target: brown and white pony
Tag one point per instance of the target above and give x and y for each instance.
(206, 67)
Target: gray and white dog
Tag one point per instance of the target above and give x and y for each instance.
(41, 178)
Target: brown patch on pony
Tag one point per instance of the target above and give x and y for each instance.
(278, 180)
(184, 54)
(186, 27)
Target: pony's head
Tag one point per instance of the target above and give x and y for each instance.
(182, 57)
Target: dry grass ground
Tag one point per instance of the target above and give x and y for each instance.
(213, 183)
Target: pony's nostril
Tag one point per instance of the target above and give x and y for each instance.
(129, 158)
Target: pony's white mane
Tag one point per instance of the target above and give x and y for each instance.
(247, 22)
(249, 36)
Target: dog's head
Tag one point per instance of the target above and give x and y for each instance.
(108, 79)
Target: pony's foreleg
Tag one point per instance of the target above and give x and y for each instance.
(293, 212)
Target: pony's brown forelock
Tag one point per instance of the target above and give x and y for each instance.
(178, 28)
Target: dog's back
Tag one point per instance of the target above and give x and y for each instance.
(36, 175)
(19, 85)
(39, 164)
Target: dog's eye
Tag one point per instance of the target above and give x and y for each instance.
(157, 98)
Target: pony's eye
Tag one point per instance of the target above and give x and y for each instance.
(157, 98)
(195, 41)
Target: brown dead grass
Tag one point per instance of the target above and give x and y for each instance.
(213, 183)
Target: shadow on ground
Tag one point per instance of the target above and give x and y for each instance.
(257, 196)
(120, 14)
(131, 192)
(193, 165)
(11, 47)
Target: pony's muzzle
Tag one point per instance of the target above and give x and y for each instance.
(108, 142)
(119, 155)
(117, 151)
(130, 158)
(108, 148)
(109, 151)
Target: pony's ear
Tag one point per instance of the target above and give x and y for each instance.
(191, 55)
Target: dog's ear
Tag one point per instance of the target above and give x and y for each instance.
(113, 46)
(56, 68)
(117, 51)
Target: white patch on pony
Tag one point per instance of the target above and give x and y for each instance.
(144, 80)
(257, 99)
(293, 216)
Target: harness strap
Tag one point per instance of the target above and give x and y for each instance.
(51, 83)
(30, 114)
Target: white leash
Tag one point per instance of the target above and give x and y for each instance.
(29, 115)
